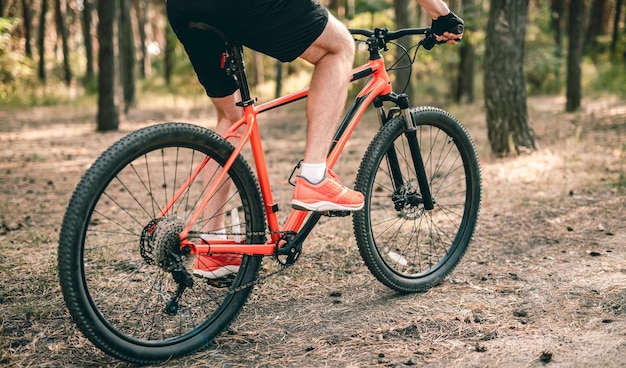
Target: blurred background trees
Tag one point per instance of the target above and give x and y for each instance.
(60, 51)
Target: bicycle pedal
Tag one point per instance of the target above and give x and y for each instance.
(222, 282)
(336, 213)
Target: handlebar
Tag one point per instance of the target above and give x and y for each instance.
(391, 35)
(384, 35)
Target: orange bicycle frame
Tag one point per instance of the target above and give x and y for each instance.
(379, 84)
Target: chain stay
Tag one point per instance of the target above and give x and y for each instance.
(147, 238)
(292, 251)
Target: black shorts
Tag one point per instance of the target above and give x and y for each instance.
(282, 29)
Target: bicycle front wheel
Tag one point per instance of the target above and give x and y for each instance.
(125, 282)
(405, 246)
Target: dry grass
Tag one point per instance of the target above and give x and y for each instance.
(544, 282)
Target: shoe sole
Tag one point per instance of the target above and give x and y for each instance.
(323, 206)
(217, 273)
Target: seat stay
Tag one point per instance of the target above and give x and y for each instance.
(249, 121)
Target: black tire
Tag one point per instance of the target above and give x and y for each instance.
(407, 248)
(113, 286)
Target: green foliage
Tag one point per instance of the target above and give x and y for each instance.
(544, 64)
(610, 77)
(19, 83)
(371, 6)
(16, 70)
(543, 71)
(183, 79)
(609, 70)
(433, 72)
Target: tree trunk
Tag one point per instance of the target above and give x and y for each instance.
(465, 78)
(403, 20)
(257, 68)
(557, 13)
(41, 42)
(170, 42)
(60, 16)
(87, 18)
(141, 7)
(108, 111)
(127, 54)
(505, 86)
(467, 53)
(333, 6)
(596, 25)
(279, 79)
(615, 35)
(574, 55)
(28, 28)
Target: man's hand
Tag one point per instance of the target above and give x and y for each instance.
(448, 28)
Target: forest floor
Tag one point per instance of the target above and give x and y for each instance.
(542, 284)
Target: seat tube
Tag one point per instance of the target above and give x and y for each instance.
(262, 173)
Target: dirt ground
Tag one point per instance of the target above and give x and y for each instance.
(543, 283)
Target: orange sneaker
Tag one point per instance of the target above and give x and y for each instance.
(215, 267)
(328, 195)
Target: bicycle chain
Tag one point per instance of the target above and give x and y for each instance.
(146, 250)
(261, 279)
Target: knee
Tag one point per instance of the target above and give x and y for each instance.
(347, 47)
(348, 43)
(342, 50)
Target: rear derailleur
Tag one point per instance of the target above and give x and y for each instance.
(160, 245)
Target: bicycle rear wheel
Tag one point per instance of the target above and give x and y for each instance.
(407, 247)
(119, 262)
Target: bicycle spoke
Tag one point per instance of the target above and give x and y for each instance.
(133, 282)
(405, 245)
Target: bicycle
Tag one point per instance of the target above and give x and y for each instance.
(138, 215)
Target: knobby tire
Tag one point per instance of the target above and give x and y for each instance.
(114, 293)
(407, 248)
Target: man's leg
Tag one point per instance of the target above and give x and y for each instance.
(213, 267)
(227, 114)
(333, 56)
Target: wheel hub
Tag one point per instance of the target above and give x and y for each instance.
(160, 242)
(408, 201)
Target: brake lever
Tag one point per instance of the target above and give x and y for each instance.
(431, 40)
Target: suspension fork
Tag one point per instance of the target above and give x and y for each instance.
(392, 157)
(416, 153)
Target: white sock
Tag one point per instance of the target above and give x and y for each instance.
(314, 173)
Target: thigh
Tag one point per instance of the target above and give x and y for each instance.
(335, 39)
(282, 29)
(286, 28)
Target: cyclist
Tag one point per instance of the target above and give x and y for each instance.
(286, 30)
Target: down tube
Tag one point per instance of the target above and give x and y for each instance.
(347, 126)
(345, 129)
